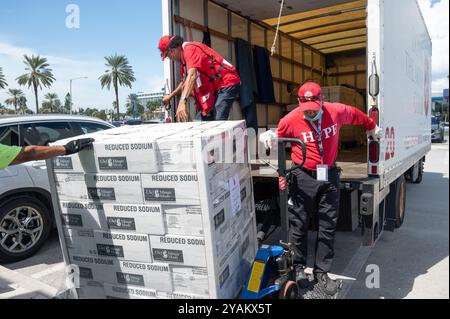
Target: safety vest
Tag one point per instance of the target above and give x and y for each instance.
(204, 93)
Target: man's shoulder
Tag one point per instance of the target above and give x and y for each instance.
(294, 114)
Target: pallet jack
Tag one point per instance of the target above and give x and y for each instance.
(272, 273)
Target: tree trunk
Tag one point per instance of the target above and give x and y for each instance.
(36, 97)
(116, 88)
(15, 106)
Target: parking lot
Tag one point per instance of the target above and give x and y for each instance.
(413, 261)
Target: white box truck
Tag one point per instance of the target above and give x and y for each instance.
(379, 49)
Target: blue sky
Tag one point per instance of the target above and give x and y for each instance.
(130, 27)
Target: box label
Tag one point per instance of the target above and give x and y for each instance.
(106, 193)
(112, 163)
(160, 194)
(168, 255)
(110, 250)
(219, 219)
(63, 163)
(121, 223)
(86, 273)
(72, 220)
(130, 279)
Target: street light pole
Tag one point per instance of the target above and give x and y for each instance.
(71, 98)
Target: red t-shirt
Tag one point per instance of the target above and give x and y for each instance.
(194, 57)
(335, 115)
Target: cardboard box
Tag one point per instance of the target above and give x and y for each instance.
(121, 188)
(171, 188)
(122, 246)
(81, 214)
(144, 219)
(150, 275)
(183, 220)
(190, 280)
(181, 250)
(95, 268)
(113, 291)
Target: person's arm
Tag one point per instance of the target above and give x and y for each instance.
(182, 115)
(37, 153)
(167, 98)
(350, 115)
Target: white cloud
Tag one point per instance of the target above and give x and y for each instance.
(86, 92)
(437, 19)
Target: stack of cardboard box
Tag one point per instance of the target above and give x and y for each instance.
(160, 211)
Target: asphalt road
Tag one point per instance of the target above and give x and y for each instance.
(413, 261)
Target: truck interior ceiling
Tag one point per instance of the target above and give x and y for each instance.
(322, 40)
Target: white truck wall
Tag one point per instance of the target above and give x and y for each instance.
(402, 46)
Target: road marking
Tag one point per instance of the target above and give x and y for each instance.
(353, 269)
(48, 271)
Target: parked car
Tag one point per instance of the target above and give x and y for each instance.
(26, 214)
(437, 131)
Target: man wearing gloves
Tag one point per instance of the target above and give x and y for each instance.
(12, 155)
(314, 189)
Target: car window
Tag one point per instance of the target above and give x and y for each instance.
(43, 133)
(434, 121)
(9, 135)
(88, 128)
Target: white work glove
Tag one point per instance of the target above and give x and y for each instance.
(266, 138)
(375, 134)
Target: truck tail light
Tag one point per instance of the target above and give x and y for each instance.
(374, 152)
(374, 115)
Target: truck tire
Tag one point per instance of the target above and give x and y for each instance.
(25, 225)
(415, 173)
(396, 202)
(418, 180)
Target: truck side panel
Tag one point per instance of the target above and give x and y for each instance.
(405, 87)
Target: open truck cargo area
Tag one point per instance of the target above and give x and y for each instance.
(371, 54)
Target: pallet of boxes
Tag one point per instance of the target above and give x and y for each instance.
(160, 211)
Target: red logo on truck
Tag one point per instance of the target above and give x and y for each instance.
(390, 143)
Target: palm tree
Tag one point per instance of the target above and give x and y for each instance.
(120, 73)
(15, 96)
(39, 74)
(3, 83)
(51, 104)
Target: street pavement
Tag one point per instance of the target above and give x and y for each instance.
(413, 261)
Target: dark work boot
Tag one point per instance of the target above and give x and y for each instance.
(301, 277)
(326, 284)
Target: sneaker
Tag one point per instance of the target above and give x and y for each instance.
(326, 284)
(301, 277)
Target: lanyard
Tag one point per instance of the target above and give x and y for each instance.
(318, 130)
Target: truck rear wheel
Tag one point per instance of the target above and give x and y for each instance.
(396, 202)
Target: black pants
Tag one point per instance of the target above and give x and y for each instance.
(307, 197)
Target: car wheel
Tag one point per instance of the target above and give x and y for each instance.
(25, 225)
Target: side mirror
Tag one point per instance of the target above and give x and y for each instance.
(374, 85)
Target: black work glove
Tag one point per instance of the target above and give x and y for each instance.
(77, 145)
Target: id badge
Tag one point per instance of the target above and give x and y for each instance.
(322, 173)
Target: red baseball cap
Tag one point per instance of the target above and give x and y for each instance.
(310, 96)
(162, 45)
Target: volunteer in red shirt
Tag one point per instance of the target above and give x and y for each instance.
(213, 82)
(314, 189)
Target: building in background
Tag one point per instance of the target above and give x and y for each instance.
(144, 98)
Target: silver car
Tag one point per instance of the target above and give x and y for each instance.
(26, 214)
